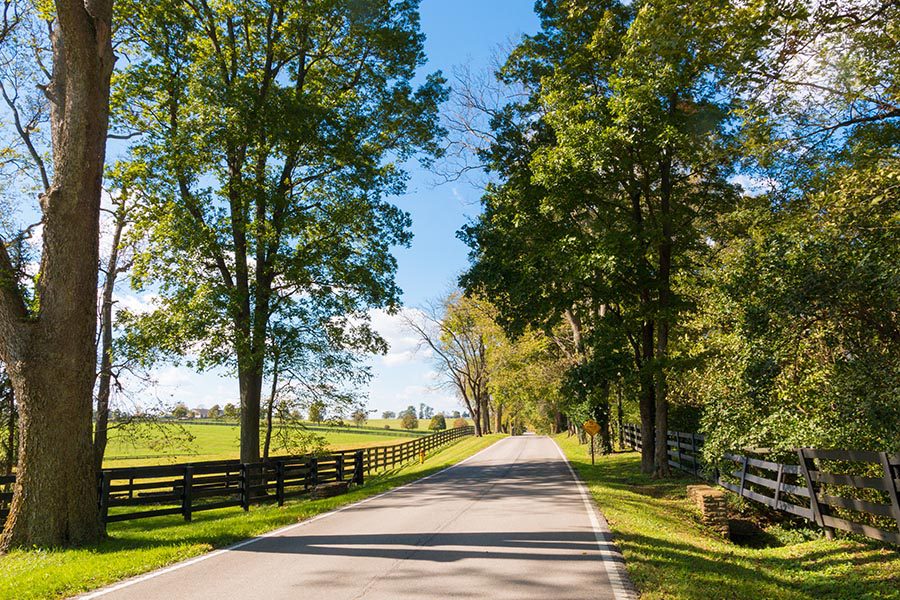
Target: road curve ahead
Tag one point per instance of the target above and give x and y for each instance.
(510, 522)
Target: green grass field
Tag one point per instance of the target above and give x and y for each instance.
(221, 441)
(397, 424)
(136, 547)
(669, 554)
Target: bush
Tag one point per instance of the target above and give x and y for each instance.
(409, 421)
(460, 423)
(438, 423)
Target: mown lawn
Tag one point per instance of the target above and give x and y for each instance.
(217, 442)
(139, 546)
(669, 554)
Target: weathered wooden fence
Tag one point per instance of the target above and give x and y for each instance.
(139, 492)
(855, 491)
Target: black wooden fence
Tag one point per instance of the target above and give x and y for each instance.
(139, 492)
(855, 491)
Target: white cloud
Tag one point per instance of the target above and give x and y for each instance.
(403, 345)
(137, 303)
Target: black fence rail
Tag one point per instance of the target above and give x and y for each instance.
(854, 491)
(131, 493)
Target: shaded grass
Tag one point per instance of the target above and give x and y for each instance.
(669, 554)
(136, 547)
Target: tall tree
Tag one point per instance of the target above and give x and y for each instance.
(272, 133)
(47, 336)
(452, 333)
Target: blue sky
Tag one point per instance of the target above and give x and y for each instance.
(459, 32)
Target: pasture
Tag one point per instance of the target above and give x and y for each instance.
(189, 441)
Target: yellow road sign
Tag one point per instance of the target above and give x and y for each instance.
(591, 427)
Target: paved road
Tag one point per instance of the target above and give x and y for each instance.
(511, 522)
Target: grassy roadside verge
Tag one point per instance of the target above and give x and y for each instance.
(669, 554)
(141, 546)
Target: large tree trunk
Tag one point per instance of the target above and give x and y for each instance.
(647, 399)
(620, 417)
(498, 418)
(602, 415)
(101, 427)
(664, 308)
(560, 422)
(485, 414)
(51, 355)
(250, 380)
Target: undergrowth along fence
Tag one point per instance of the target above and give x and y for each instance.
(130, 493)
(854, 491)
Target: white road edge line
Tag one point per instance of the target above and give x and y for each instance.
(192, 561)
(613, 561)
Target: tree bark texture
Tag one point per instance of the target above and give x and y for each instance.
(51, 352)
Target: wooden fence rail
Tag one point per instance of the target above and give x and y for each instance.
(140, 492)
(855, 491)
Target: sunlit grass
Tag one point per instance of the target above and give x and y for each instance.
(217, 442)
(669, 554)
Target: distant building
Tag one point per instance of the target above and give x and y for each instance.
(200, 413)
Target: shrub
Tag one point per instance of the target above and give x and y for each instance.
(409, 421)
(438, 423)
(460, 423)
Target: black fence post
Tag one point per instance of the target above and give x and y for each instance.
(279, 482)
(245, 488)
(696, 463)
(891, 486)
(677, 449)
(743, 475)
(186, 492)
(312, 477)
(358, 468)
(339, 466)
(807, 465)
(105, 477)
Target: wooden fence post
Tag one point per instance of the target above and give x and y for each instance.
(312, 475)
(245, 488)
(358, 468)
(279, 482)
(677, 448)
(105, 476)
(807, 464)
(743, 476)
(779, 481)
(187, 492)
(694, 453)
(891, 486)
(339, 466)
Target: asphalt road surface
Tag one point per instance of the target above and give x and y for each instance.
(510, 522)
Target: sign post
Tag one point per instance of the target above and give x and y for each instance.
(592, 428)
